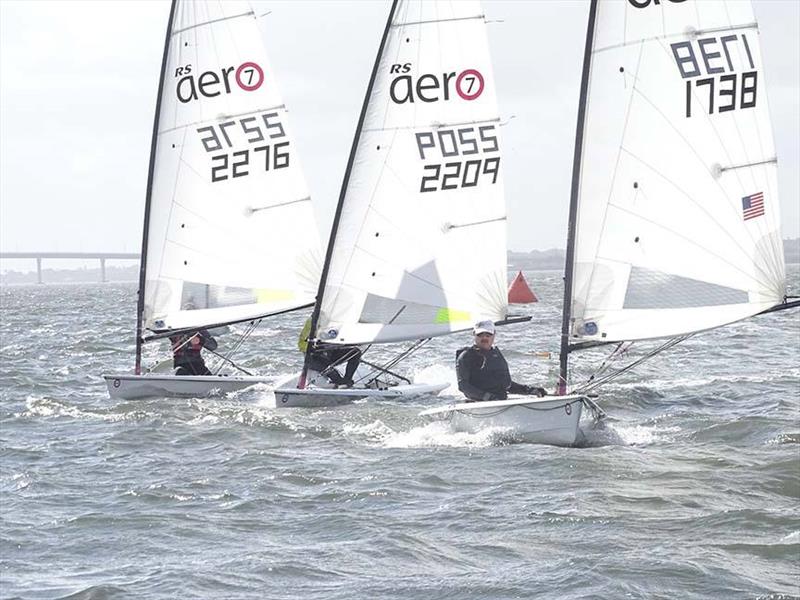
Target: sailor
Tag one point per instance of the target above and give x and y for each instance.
(186, 352)
(483, 371)
(325, 357)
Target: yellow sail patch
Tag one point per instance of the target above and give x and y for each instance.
(264, 296)
(449, 315)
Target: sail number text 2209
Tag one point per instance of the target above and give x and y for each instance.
(458, 155)
(254, 132)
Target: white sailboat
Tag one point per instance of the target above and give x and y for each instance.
(422, 184)
(228, 214)
(674, 223)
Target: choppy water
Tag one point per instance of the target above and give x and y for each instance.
(690, 491)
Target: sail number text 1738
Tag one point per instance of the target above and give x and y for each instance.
(463, 150)
(719, 59)
(253, 136)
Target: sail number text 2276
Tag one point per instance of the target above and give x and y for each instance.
(460, 157)
(254, 136)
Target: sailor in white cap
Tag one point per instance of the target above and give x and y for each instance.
(483, 371)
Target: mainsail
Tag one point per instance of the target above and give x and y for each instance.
(229, 226)
(677, 219)
(418, 246)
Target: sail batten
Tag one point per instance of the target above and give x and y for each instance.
(668, 240)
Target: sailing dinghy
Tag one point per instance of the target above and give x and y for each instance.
(418, 243)
(674, 220)
(226, 199)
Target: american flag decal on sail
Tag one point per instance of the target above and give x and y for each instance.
(753, 206)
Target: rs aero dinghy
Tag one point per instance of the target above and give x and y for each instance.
(674, 219)
(423, 182)
(225, 201)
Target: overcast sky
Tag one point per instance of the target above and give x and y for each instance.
(78, 87)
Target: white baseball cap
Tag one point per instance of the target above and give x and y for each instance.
(483, 327)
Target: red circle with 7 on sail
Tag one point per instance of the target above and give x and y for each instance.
(472, 90)
(250, 85)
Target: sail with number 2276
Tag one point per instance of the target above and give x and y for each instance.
(423, 183)
(228, 215)
(674, 219)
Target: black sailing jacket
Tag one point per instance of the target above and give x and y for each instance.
(483, 375)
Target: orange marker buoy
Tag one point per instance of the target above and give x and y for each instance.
(519, 292)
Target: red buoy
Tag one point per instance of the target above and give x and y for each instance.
(519, 292)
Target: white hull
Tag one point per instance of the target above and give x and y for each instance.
(287, 394)
(133, 387)
(549, 420)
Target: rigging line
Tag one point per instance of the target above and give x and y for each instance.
(224, 360)
(251, 327)
(227, 357)
(378, 368)
(276, 107)
(606, 364)
(764, 283)
(665, 346)
(403, 355)
(431, 21)
(212, 21)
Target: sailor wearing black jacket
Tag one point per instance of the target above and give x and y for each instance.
(186, 352)
(483, 371)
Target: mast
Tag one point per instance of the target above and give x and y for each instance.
(337, 216)
(149, 194)
(573, 201)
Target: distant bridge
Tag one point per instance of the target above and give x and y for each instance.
(102, 256)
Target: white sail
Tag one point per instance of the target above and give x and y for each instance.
(678, 226)
(231, 228)
(420, 249)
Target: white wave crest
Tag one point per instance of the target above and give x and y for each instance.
(436, 434)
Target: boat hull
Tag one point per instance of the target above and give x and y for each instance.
(136, 387)
(550, 420)
(288, 396)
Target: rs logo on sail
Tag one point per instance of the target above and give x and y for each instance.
(468, 85)
(248, 76)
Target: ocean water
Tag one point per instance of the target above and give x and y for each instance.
(691, 488)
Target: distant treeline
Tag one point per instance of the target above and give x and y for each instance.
(525, 261)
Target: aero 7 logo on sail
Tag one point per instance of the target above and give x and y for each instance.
(248, 76)
(428, 87)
